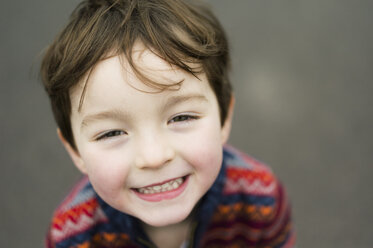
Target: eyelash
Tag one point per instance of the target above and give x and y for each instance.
(183, 118)
(178, 118)
(110, 134)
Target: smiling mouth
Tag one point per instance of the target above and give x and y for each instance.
(162, 187)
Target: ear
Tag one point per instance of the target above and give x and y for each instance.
(226, 129)
(74, 154)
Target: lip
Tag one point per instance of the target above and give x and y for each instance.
(167, 195)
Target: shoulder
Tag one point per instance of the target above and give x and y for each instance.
(251, 187)
(78, 212)
(246, 175)
(254, 206)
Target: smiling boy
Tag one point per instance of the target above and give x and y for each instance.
(141, 96)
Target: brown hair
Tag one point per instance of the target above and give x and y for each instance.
(177, 31)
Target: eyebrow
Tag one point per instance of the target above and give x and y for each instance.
(120, 114)
(109, 114)
(174, 100)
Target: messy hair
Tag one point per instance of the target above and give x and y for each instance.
(180, 32)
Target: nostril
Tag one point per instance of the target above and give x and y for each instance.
(153, 150)
(155, 158)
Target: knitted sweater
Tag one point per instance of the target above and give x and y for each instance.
(245, 207)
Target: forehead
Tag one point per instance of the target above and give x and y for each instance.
(113, 73)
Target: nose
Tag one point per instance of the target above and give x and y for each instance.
(153, 151)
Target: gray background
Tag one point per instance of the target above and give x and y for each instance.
(302, 73)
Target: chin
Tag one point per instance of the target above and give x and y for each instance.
(166, 218)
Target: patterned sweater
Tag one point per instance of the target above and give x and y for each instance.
(245, 207)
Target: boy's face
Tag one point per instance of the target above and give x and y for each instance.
(150, 155)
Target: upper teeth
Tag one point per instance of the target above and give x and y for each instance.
(170, 185)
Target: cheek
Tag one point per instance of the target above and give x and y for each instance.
(107, 172)
(203, 150)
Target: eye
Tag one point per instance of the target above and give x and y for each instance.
(183, 118)
(110, 134)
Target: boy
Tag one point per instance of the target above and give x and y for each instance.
(142, 99)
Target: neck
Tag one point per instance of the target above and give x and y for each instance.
(170, 236)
